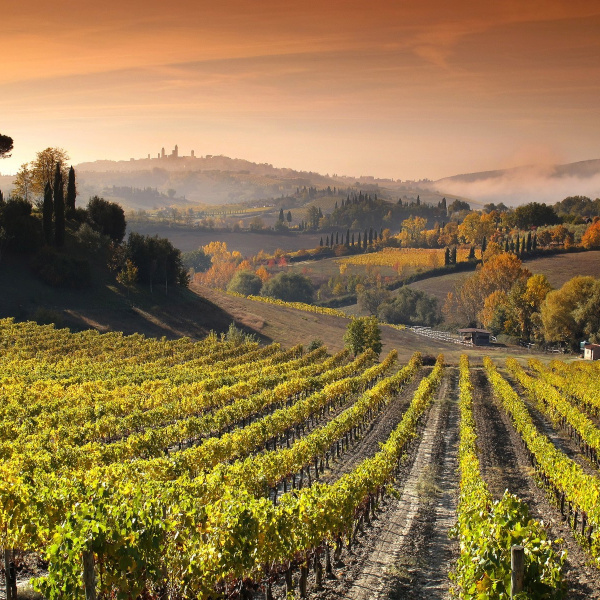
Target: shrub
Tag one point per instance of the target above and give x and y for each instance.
(45, 316)
(107, 217)
(290, 287)
(60, 270)
(22, 231)
(410, 307)
(156, 259)
(316, 343)
(90, 238)
(362, 334)
(370, 299)
(245, 283)
(197, 260)
(236, 337)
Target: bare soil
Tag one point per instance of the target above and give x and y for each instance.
(247, 242)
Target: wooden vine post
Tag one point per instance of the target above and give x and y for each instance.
(89, 577)
(10, 575)
(517, 566)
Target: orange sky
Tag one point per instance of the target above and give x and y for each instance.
(404, 89)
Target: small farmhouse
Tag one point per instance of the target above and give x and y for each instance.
(478, 337)
(591, 352)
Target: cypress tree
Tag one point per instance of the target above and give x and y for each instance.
(347, 237)
(483, 245)
(472, 253)
(321, 242)
(47, 211)
(59, 209)
(453, 255)
(71, 195)
(529, 241)
(327, 242)
(352, 243)
(534, 242)
(281, 217)
(336, 238)
(446, 256)
(59, 215)
(359, 242)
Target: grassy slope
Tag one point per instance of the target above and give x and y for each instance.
(106, 305)
(559, 269)
(289, 326)
(193, 312)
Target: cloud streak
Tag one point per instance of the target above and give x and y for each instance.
(415, 89)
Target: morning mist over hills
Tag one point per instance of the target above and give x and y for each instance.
(168, 180)
(218, 180)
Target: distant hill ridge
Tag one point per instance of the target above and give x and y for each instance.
(216, 180)
(193, 163)
(583, 170)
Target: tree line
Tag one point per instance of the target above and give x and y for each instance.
(41, 219)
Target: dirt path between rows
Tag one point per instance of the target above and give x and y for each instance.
(408, 553)
(505, 465)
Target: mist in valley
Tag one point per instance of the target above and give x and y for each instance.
(542, 183)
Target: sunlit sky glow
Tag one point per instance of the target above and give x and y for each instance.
(407, 90)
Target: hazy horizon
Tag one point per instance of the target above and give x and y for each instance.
(402, 91)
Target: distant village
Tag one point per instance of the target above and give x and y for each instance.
(174, 154)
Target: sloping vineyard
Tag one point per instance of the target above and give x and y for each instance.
(143, 468)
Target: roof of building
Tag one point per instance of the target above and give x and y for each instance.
(592, 346)
(474, 330)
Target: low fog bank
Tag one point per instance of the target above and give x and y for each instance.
(520, 186)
